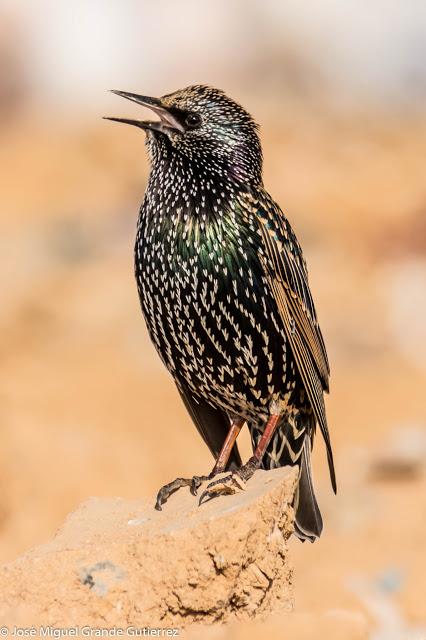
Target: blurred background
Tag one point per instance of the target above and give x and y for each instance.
(86, 408)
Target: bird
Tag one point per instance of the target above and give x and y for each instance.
(223, 287)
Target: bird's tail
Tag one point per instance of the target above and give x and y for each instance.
(308, 520)
(291, 445)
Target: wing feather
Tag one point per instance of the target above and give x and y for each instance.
(286, 272)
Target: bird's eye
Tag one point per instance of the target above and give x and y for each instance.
(193, 120)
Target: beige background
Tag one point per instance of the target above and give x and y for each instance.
(85, 405)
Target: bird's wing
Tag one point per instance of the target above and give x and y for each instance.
(286, 272)
(212, 424)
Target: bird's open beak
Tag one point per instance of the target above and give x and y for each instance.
(167, 119)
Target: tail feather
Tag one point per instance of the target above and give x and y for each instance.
(308, 520)
(291, 446)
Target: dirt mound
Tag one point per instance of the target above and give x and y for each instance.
(120, 563)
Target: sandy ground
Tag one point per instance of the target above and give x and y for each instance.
(87, 409)
(117, 563)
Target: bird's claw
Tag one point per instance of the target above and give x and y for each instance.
(196, 483)
(165, 492)
(232, 483)
(228, 485)
(193, 483)
(223, 486)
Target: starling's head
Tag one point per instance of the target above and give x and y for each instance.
(207, 128)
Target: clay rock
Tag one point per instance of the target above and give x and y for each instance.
(118, 563)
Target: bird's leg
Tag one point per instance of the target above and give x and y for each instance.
(223, 457)
(236, 480)
(195, 482)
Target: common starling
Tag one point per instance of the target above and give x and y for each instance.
(223, 286)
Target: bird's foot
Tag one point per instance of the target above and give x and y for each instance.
(232, 483)
(193, 483)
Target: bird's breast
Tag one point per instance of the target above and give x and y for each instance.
(209, 309)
